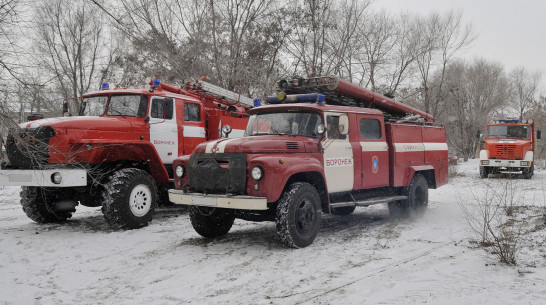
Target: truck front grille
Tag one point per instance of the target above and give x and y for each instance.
(29, 148)
(218, 173)
(504, 151)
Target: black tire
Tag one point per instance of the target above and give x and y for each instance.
(484, 172)
(129, 199)
(211, 222)
(298, 215)
(416, 204)
(39, 205)
(528, 172)
(348, 210)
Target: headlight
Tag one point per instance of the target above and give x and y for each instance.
(485, 162)
(257, 173)
(56, 178)
(179, 171)
(524, 163)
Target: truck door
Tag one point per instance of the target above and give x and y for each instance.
(193, 126)
(374, 152)
(163, 130)
(338, 153)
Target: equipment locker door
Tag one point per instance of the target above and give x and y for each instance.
(374, 152)
(338, 153)
(163, 128)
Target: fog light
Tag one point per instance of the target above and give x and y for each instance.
(485, 162)
(56, 178)
(256, 173)
(179, 171)
(524, 163)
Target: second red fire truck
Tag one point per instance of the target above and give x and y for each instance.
(306, 156)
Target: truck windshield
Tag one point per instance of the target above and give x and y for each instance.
(508, 131)
(127, 105)
(291, 123)
(94, 106)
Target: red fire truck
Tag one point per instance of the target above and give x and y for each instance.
(509, 147)
(299, 160)
(118, 151)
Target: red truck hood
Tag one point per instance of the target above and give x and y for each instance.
(84, 122)
(261, 144)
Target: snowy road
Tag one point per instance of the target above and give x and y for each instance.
(364, 258)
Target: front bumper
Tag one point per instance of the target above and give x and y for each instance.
(239, 202)
(29, 177)
(506, 163)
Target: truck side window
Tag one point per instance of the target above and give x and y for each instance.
(192, 112)
(370, 129)
(334, 128)
(158, 110)
(169, 111)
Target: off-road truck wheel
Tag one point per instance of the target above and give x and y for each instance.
(298, 215)
(211, 222)
(129, 199)
(484, 172)
(417, 202)
(348, 210)
(40, 205)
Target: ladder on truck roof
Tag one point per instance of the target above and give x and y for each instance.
(344, 93)
(225, 94)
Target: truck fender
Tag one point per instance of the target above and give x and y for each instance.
(484, 155)
(109, 151)
(529, 156)
(286, 174)
(425, 170)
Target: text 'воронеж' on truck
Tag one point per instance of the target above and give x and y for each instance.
(509, 147)
(118, 151)
(299, 160)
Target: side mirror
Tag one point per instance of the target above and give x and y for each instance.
(321, 129)
(226, 130)
(538, 134)
(478, 134)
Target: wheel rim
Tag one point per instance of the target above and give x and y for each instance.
(140, 200)
(305, 216)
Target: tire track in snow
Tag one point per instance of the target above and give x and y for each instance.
(379, 270)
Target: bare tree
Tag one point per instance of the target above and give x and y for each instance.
(474, 93)
(76, 48)
(442, 37)
(525, 86)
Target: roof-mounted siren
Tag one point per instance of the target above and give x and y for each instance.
(156, 83)
(282, 98)
(105, 86)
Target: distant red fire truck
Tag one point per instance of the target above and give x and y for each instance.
(509, 147)
(306, 156)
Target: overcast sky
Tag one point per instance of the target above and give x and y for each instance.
(509, 31)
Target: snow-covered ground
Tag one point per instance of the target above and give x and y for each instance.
(364, 258)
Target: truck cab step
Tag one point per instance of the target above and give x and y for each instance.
(368, 202)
